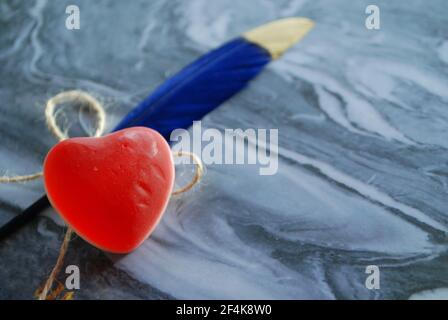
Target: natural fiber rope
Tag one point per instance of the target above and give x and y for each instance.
(50, 116)
(197, 173)
(74, 96)
(28, 177)
(57, 267)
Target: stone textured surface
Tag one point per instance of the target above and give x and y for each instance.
(363, 125)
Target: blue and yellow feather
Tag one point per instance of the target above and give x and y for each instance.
(214, 77)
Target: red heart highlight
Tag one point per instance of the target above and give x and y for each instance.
(111, 190)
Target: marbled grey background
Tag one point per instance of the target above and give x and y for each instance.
(363, 172)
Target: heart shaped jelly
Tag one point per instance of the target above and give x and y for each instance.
(111, 190)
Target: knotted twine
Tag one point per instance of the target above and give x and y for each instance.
(50, 117)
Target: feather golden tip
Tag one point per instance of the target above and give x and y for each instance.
(279, 35)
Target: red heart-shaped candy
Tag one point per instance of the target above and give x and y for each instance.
(111, 190)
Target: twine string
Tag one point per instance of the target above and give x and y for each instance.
(199, 171)
(57, 267)
(22, 178)
(50, 117)
(73, 96)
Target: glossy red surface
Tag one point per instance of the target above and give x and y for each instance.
(111, 190)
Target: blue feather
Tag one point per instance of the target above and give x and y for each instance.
(199, 88)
